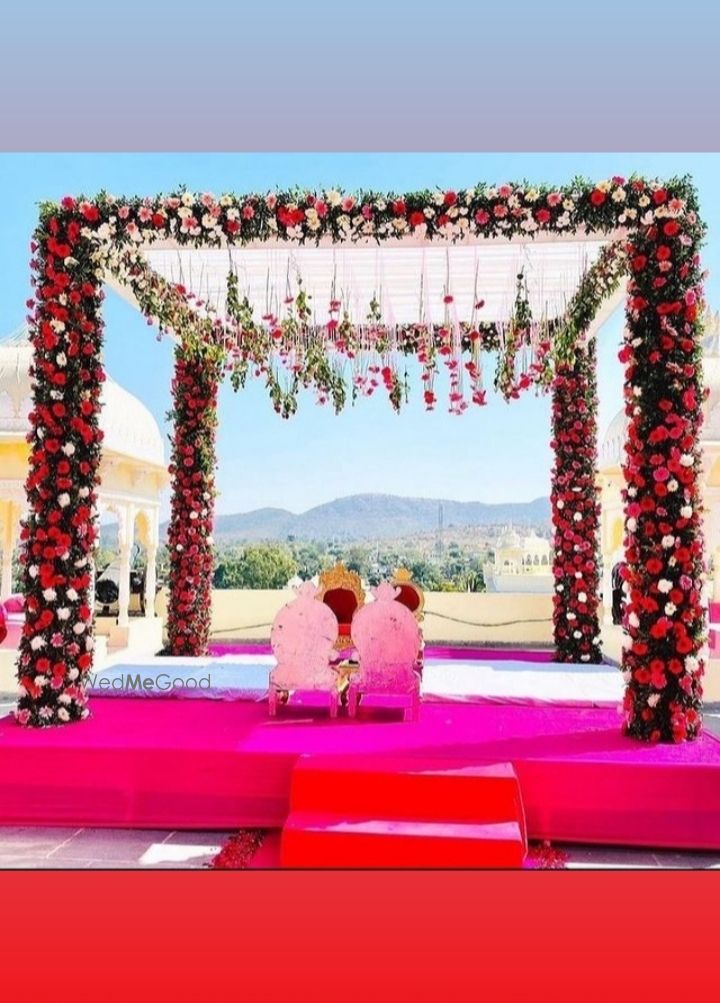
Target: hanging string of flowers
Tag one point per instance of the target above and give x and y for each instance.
(342, 360)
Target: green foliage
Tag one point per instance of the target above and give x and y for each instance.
(265, 566)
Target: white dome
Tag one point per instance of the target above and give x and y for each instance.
(611, 449)
(509, 539)
(129, 427)
(534, 544)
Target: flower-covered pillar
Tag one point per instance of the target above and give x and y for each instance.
(576, 509)
(664, 663)
(195, 388)
(59, 531)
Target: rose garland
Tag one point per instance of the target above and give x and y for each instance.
(80, 239)
(576, 510)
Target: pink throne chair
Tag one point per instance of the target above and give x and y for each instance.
(303, 639)
(387, 640)
(411, 595)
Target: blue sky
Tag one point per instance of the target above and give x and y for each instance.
(496, 453)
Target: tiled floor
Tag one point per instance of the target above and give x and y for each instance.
(30, 848)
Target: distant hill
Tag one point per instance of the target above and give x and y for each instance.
(374, 516)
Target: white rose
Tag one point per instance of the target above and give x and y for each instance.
(37, 643)
(64, 500)
(63, 613)
(664, 585)
(49, 595)
(686, 511)
(63, 714)
(78, 628)
(582, 597)
(687, 460)
(633, 620)
(632, 524)
(672, 485)
(72, 595)
(654, 700)
(670, 608)
(577, 634)
(668, 542)
(68, 449)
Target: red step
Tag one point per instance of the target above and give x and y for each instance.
(313, 839)
(426, 789)
(403, 811)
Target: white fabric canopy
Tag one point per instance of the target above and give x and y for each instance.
(410, 278)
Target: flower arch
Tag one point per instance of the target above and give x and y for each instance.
(654, 233)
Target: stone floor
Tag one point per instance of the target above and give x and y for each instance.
(113, 849)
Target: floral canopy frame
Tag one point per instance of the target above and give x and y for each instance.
(655, 234)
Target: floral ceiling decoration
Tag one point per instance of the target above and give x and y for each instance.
(652, 231)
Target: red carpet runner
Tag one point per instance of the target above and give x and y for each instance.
(348, 811)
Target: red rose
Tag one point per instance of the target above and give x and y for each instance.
(450, 198)
(671, 228)
(399, 207)
(416, 219)
(482, 217)
(597, 197)
(542, 216)
(660, 196)
(663, 252)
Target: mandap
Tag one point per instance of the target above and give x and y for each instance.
(354, 294)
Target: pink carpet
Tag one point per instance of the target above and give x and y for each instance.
(207, 764)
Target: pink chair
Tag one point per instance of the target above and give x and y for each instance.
(303, 638)
(387, 639)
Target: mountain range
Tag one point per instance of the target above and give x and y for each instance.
(374, 517)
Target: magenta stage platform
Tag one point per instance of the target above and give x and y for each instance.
(205, 764)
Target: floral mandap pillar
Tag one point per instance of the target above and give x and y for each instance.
(59, 532)
(190, 545)
(663, 662)
(576, 509)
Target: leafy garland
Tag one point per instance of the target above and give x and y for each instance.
(576, 510)
(78, 241)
